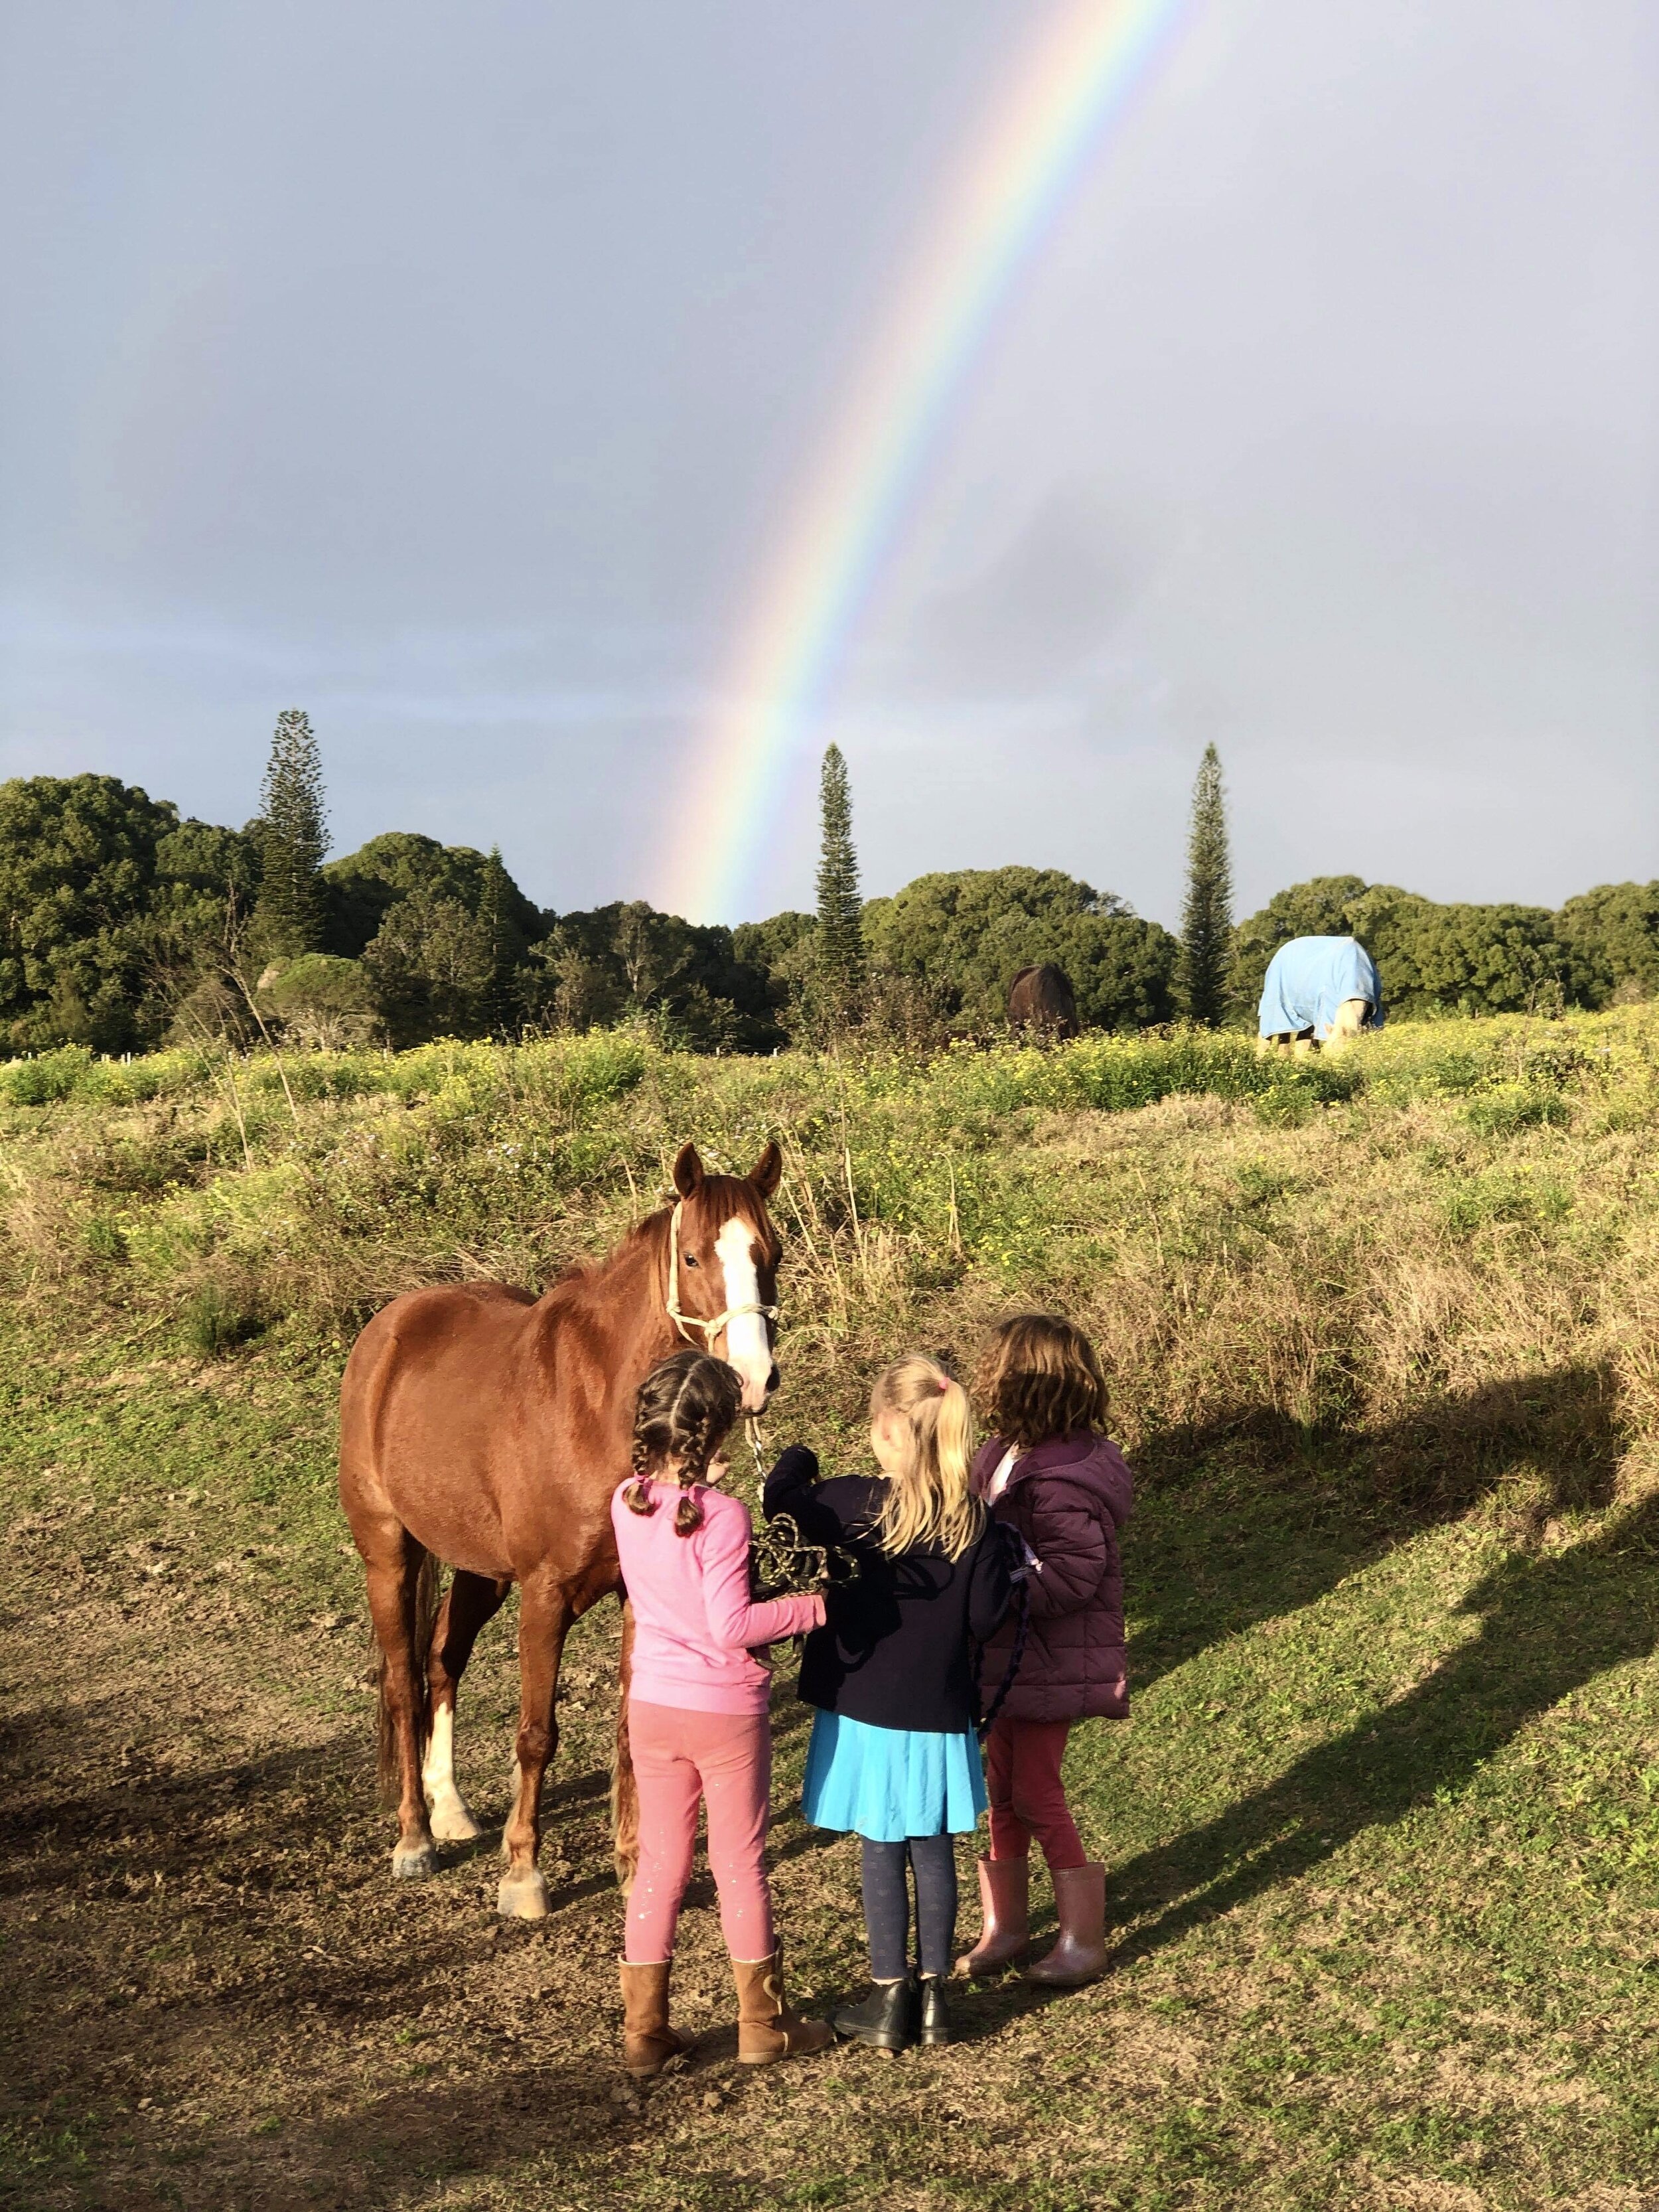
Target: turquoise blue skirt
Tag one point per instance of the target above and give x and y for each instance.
(889, 1783)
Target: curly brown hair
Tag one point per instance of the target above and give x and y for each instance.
(683, 1413)
(1039, 1376)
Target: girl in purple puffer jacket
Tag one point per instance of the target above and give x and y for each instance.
(1049, 1471)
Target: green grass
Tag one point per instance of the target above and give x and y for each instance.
(1382, 1834)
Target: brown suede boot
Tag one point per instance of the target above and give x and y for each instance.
(767, 2027)
(1080, 1955)
(649, 2042)
(1004, 1899)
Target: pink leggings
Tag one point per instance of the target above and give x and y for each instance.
(1022, 1779)
(725, 1760)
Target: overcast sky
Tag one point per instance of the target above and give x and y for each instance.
(449, 370)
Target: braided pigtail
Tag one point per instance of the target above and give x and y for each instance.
(684, 1411)
(696, 1452)
(638, 1497)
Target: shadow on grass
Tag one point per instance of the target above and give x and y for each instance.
(262, 1868)
(406, 2146)
(1548, 1626)
(1254, 1515)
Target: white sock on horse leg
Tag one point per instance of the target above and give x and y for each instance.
(452, 1817)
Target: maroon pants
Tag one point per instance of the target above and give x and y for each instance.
(1022, 1777)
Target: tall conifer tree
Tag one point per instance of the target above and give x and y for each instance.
(1206, 917)
(840, 950)
(294, 837)
(502, 938)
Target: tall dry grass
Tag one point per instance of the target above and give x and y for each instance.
(1440, 1247)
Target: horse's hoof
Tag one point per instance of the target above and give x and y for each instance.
(413, 1863)
(523, 1896)
(453, 1823)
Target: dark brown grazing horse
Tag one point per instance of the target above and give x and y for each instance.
(487, 1429)
(1042, 998)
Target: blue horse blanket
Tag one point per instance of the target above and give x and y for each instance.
(1308, 980)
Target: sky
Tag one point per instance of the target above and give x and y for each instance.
(453, 372)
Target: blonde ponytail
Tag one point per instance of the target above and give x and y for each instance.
(928, 1504)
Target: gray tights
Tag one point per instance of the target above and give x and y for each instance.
(932, 1860)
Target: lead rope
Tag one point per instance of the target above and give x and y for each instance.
(1022, 1631)
(783, 1563)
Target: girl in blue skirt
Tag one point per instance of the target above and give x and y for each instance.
(893, 1755)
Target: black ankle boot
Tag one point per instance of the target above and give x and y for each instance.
(934, 2021)
(886, 2020)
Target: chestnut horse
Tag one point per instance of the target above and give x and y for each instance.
(487, 1429)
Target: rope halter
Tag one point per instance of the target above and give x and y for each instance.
(686, 1323)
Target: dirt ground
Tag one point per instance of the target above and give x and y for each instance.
(1380, 1840)
(217, 1997)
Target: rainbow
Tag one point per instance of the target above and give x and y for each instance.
(1079, 77)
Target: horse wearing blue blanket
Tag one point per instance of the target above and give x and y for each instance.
(1318, 990)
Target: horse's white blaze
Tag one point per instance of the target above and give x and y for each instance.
(747, 1347)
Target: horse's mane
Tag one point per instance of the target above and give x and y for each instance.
(653, 1232)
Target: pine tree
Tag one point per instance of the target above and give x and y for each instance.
(504, 943)
(1207, 918)
(840, 948)
(288, 918)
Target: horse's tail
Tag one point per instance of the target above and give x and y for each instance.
(387, 1767)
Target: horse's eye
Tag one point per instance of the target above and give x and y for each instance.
(690, 1259)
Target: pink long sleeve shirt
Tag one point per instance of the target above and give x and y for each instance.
(694, 1621)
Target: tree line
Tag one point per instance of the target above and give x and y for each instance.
(124, 926)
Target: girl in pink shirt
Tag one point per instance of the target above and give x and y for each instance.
(697, 1720)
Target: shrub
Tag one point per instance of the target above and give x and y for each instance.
(1437, 959)
(969, 933)
(66, 1073)
(324, 1001)
(105, 1240)
(1501, 1112)
(217, 1320)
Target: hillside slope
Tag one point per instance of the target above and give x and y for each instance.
(1384, 1338)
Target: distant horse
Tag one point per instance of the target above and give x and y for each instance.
(1318, 990)
(487, 1429)
(1042, 998)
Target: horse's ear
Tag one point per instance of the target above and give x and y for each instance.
(688, 1171)
(767, 1171)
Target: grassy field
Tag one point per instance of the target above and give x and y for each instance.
(1382, 1834)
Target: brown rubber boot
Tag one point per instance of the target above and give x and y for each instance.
(767, 2028)
(1005, 1899)
(649, 2042)
(1080, 1955)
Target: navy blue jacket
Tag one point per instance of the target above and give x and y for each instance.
(897, 1648)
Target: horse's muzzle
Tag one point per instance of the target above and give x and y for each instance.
(755, 1397)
